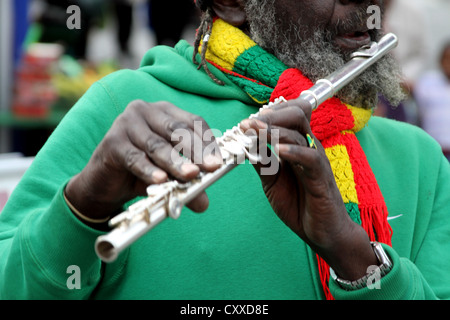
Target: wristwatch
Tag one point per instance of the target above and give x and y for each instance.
(375, 273)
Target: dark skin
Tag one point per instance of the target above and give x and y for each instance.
(136, 153)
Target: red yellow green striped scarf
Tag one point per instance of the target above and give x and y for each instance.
(264, 78)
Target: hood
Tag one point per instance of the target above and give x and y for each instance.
(174, 67)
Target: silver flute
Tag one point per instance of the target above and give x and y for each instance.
(168, 199)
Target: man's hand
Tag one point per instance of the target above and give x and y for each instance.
(304, 193)
(139, 151)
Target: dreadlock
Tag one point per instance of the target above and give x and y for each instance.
(202, 36)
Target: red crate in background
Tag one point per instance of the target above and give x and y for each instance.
(34, 93)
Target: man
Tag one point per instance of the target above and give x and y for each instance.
(362, 202)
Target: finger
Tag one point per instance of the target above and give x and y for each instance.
(304, 105)
(199, 204)
(135, 161)
(268, 167)
(187, 142)
(160, 151)
(268, 163)
(174, 127)
(280, 127)
(290, 117)
(206, 150)
(302, 158)
(272, 108)
(279, 135)
(189, 132)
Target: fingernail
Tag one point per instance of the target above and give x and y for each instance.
(260, 124)
(211, 160)
(188, 168)
(159, 176)
(266, 111)
(281, 148)
(248, 123)
(245, 124)
(276, 148)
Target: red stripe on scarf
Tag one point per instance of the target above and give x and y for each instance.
(330, 119)
(290, 84)
(371, 205)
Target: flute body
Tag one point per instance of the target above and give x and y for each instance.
(168, 199)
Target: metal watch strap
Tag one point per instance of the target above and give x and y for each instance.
(380, 271)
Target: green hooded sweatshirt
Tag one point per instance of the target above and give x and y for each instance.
(238, 248)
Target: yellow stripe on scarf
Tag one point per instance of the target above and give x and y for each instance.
(231, 44)
(342, 169)
(361, 117)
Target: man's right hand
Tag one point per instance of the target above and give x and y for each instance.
(139, 151)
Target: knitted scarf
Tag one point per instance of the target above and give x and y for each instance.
(264, 78)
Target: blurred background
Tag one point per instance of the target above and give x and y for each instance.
(50, 53)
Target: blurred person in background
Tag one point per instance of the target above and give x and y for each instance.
(123, 11)
(406, 19)
(51, 17)
(432, 93)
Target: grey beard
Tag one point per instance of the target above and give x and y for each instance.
(317, 58)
